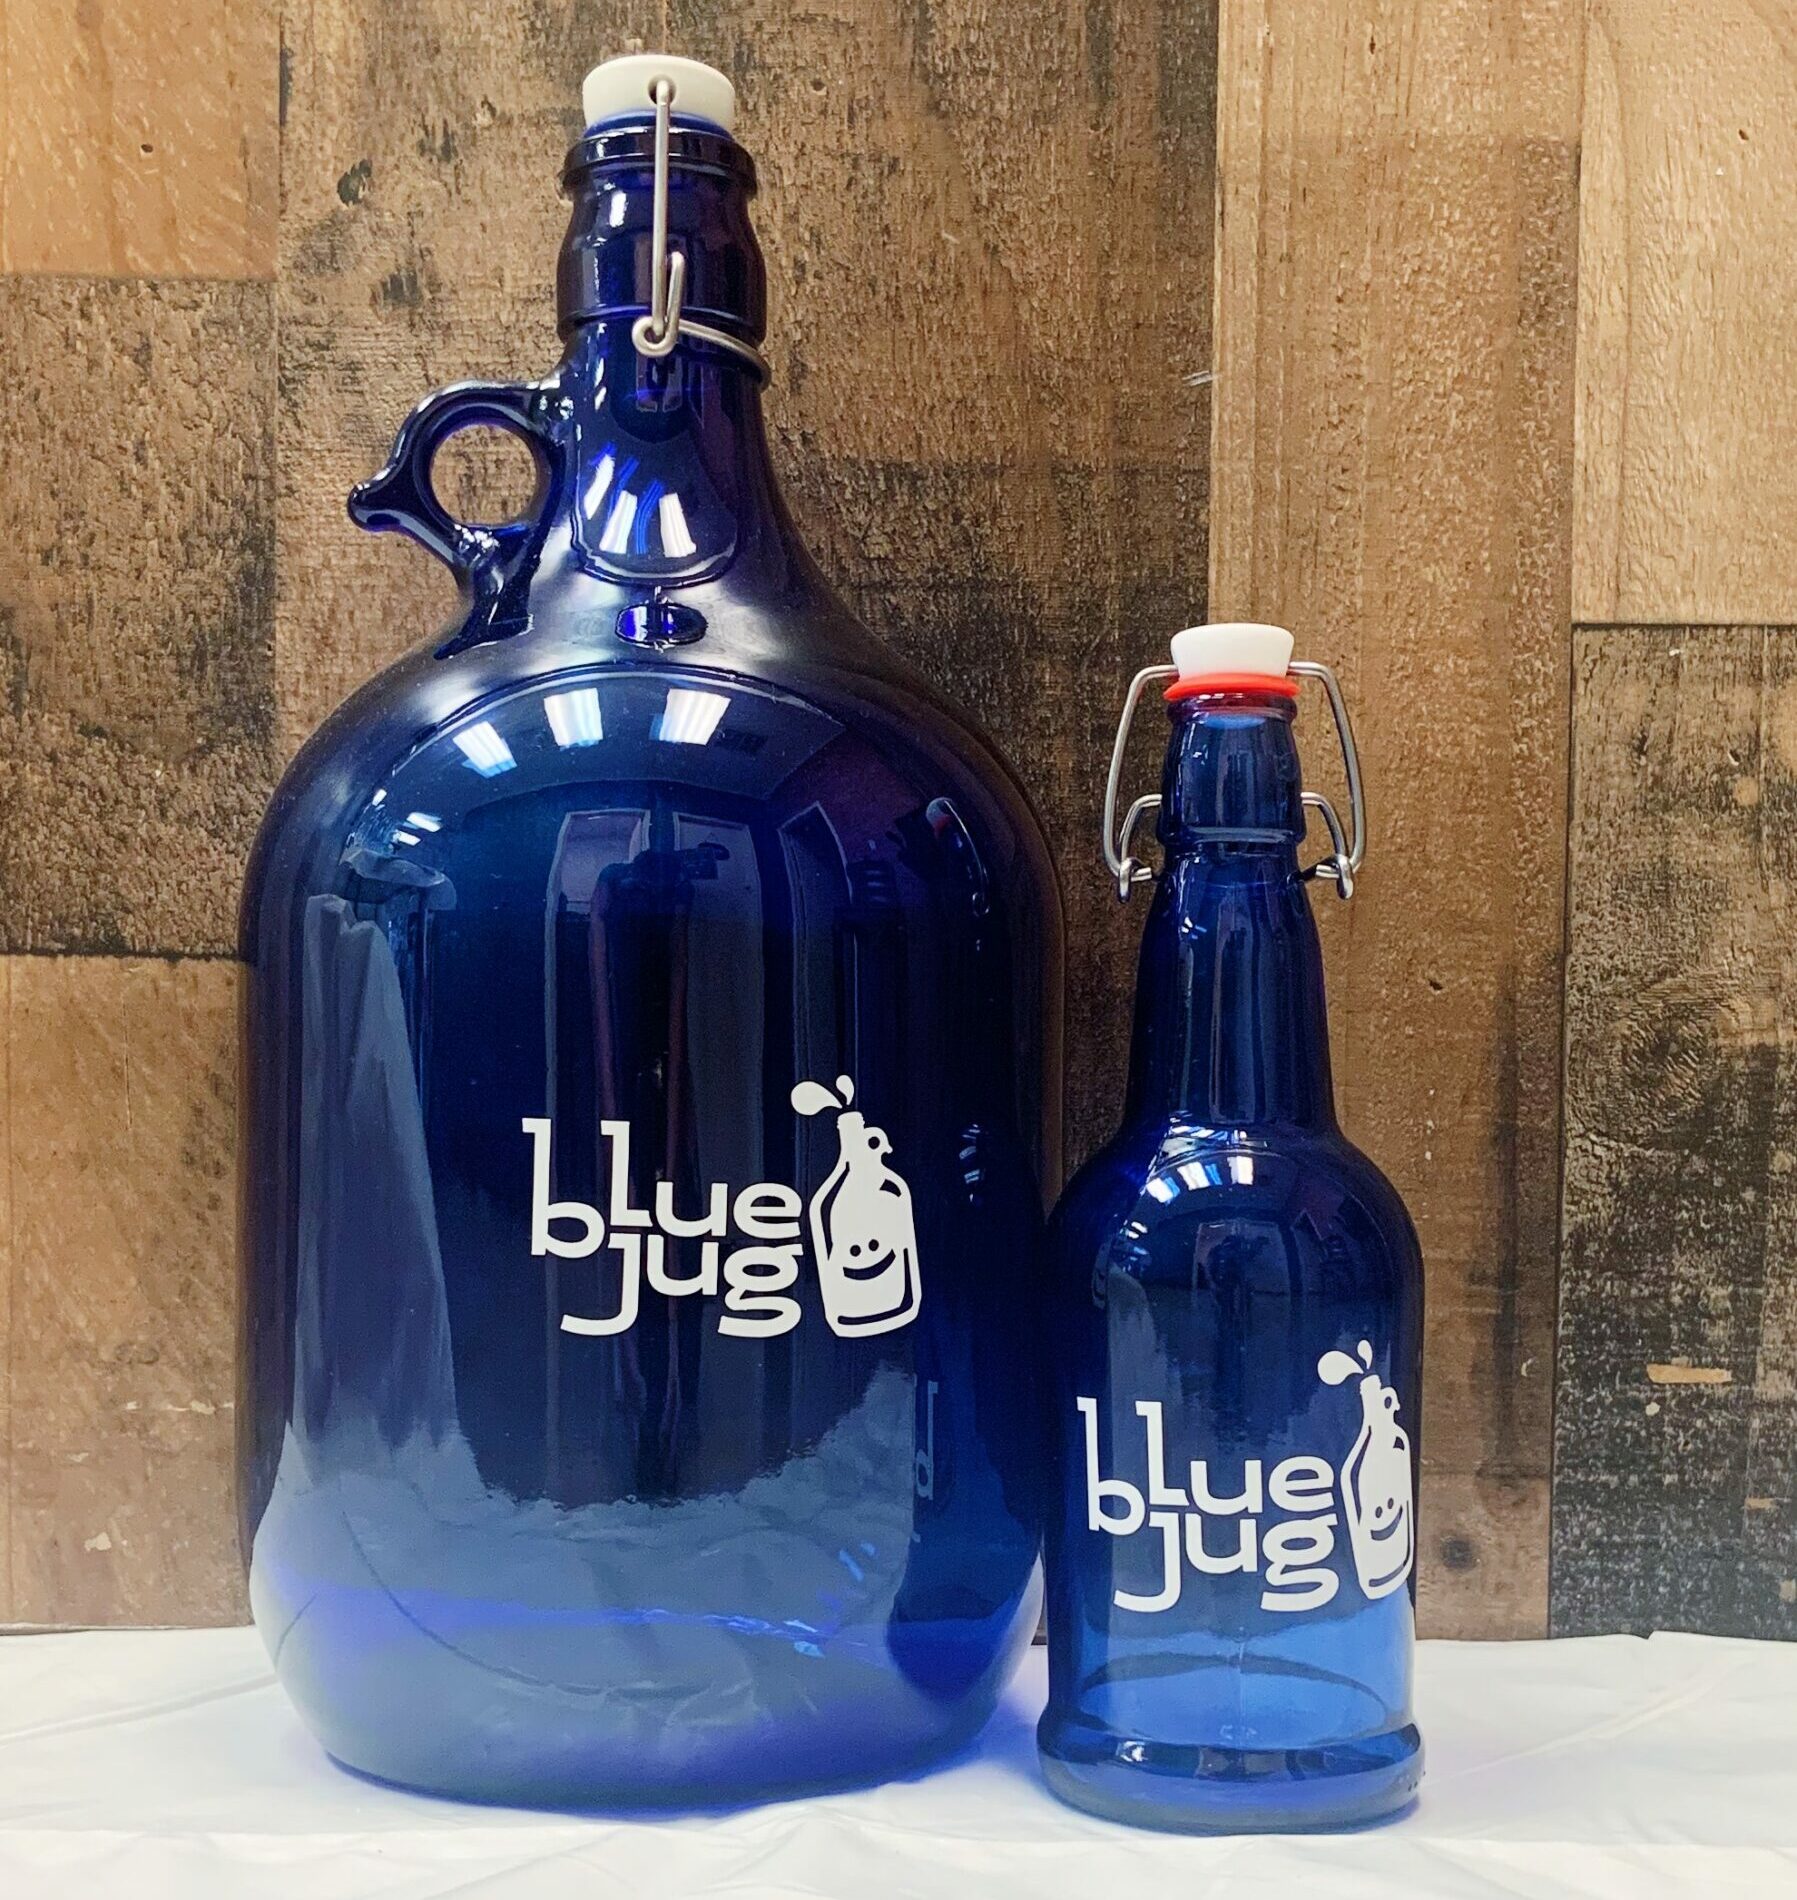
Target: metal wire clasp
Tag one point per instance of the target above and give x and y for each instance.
(1347, 853)
(656, 334)
(1121, 865)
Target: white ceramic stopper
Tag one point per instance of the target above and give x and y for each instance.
(626, 86)
(1232, 646)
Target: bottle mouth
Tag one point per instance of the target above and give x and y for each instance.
(693, 145)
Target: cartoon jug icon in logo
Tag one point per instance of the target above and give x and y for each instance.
(1375, 1477)
(861, 1224)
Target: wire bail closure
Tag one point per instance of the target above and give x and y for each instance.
(1346, 855)
(656, 334)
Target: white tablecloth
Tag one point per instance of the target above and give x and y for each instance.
(167, 1763)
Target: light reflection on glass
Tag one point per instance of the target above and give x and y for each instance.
(675, 537)
(614, 537)
(690, 716)
(638, 513)
(485, 751)
(424, 821)
(405, 837)
(1161, 1188)
(574, 717)
(1241, 1170)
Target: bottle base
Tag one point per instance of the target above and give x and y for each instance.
(1205, 1790)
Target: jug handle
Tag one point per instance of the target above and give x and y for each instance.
(401, 496)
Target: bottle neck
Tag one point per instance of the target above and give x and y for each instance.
(671, 481)
(1231, 1029)
(606, 269)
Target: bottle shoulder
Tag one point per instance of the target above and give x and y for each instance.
(1158, 1191)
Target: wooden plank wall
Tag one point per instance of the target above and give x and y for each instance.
(1503, 428)
(1676, 1439)
(138, 185)
(1504, 424)
(1391, 471)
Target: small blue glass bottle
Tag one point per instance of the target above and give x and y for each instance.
(651, 1088)
(1234, 1332)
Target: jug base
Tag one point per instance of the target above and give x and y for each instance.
(1202, 1790)
(554, 1791)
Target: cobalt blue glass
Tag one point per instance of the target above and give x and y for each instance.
(651, 1090)
(1234, 1318)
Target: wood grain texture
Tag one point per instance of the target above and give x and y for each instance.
(1676, 1430)
(138, 140)
(118, 1260)
(1391, 473)
(1687, 388)
(136, 609)
(988, 235)
(6, 1280)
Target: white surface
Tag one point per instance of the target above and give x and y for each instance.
(168, 1764)
(1231, 646)
(627, 84)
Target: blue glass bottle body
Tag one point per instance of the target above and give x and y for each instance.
(1234, 1335)
(651, 1082)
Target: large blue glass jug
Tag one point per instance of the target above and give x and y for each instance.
(1235, 1329)
(651, 1088)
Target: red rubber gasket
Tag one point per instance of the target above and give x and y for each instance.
(1281, 686)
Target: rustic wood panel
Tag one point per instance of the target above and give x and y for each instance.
(136, 605)
(1687, 388)
(1675, 1441)
(6, 1279)
(1676, 1431)
(1391, 469)
(989, 237)
(138, 140)
(138, 160)
(118, 1259)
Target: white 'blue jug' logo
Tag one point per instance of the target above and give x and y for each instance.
(862, 1232)
(1283, 1521)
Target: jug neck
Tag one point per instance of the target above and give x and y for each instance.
(672, 479)
(688, 426)
(606, 268)
(1231, 1029)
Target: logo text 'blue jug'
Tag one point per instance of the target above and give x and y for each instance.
(750, 1242)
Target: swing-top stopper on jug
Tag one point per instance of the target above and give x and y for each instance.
(625, 87)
